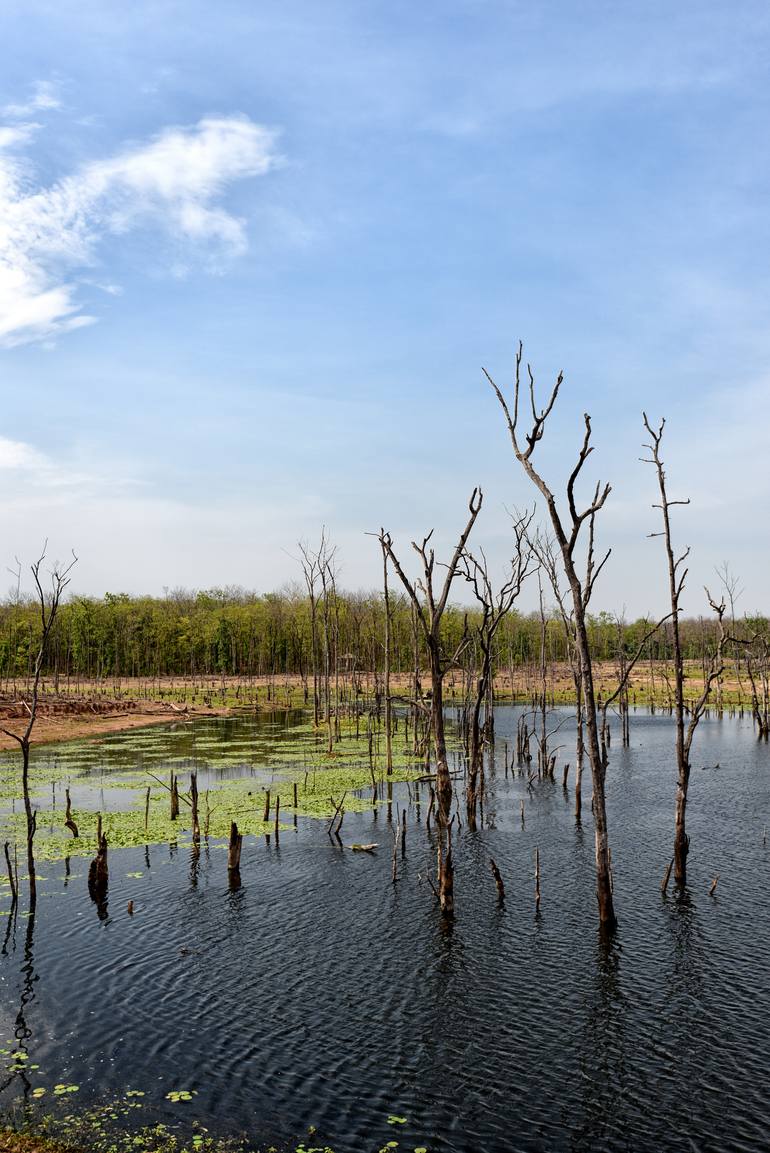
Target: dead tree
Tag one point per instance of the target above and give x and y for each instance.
(49, 607)
(494, 607)
(626, 666)
(543, 548)
(567, 535)
(677, 575)
(429, 604)
(310, 560)
(757, 655)
(385, 543)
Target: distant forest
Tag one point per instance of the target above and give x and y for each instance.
(233, 632)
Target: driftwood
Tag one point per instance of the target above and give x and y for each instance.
(356, 848)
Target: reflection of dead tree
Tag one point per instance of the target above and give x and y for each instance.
(49, 607)
(677, 574)
(567, 537)
(429, 604)
(494, 608)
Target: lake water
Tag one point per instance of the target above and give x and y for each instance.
(320, 994)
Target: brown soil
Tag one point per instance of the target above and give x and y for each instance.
(66, 720)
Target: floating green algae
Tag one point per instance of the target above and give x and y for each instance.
(237, 761)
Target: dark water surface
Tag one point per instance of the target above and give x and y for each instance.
(320, 994)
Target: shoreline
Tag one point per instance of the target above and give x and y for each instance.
(87, 709)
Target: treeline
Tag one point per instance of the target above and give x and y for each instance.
(234, 632)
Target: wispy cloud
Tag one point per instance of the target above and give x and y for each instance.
(44, 98)
(18, 455)
(172, 182)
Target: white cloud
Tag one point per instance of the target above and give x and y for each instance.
(43, 99)
(16, 454)
(172, 182)
(11, 136)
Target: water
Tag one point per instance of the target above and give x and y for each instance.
(320, 994)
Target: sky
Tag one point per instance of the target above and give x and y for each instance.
(254, 256)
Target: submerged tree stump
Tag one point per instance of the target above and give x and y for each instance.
(69, 822)
(196, 829)
(98, 873)
(234, 849)
(498, 880)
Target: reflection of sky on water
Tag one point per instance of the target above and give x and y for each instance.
(318, 993)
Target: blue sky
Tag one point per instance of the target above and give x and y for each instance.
(254, 255)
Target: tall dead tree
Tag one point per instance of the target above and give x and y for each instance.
(48, 602)
(543, 548)
(311, 571)
(494, 607)
(567, 534)
(429, 605)
(385, 543)
(757, 653)
(677, 575)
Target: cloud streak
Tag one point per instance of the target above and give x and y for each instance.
(174, 182)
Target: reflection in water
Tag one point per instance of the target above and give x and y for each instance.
(195, 863)
(18, 1068)
(490, 1032)
(602, 1052)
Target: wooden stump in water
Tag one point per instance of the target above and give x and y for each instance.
(69, 822)
(234, 848)
(174, 797)
(98, 873)
(196, 829)
(498, 880)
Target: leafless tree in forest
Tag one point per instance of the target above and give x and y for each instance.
(319, 572)
(48, 602)
(677, 575)
(310, 562)
(494, 608)
(757, 655)
(429, 604)
(567, 534)
(733, 591)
